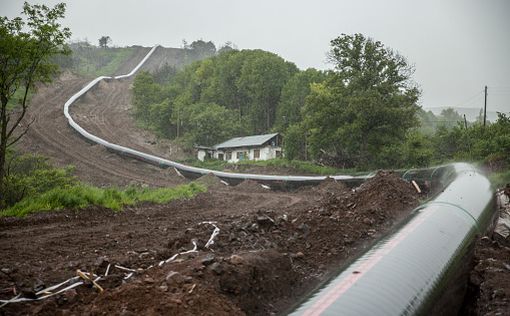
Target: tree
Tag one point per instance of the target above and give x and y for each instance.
(450, 118)
(262, 78)
(368, 103)
(293, 96)
(227, 47)
(104, 41)
(25, 51)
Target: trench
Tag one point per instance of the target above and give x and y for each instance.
(419, 269)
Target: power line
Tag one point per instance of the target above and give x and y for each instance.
(470, 99)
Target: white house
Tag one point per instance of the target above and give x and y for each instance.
(256, 147)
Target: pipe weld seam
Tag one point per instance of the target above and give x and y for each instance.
(475, 221)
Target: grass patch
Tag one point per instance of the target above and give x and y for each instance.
(500, 179)
(100, 61)
(297, 165)
(80, 196)
(91, 61)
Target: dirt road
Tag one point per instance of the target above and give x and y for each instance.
(103, 112)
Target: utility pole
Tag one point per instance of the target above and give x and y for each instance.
(485, 109)
(465, 122)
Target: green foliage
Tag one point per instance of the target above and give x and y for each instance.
(92, 61)
(208, 123)
(500, 179)
(104, 41)
(31, 175)
(363, 109)
(450, 118)
(199, 49)
(232, 94)
(294, 145)
(476, 143)
(26, 48)
(297, 166)
(81, 196)
(293, 96)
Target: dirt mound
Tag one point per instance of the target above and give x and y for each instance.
(330, 185)
(251, 186)
(386, 189)
(211, 181)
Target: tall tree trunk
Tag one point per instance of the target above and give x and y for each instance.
(3, 151)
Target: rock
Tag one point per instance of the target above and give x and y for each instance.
(101, 261)
(71, 295)
(38, 285)
(300, 255)
(73, 264)
(163, 287)
(254, 227)
(207, 260)
(235, 259)
(216, 268)
(174, 278)
(305, 229)
(264, 220)
(6, 271)
(498, 293)
(367, 221)
(148, 280)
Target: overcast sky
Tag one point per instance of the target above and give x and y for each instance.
(457, 46)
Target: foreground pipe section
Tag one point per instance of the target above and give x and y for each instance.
(413, 270)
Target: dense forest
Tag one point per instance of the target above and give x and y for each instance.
(363, 113)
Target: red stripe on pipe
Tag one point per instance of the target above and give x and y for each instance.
(333, 294)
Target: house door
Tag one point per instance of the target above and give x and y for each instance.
(220, 156)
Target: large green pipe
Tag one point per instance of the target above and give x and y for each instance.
(413, 270)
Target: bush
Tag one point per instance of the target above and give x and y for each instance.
(31, 175)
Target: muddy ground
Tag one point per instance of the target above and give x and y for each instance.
(272, 248)
(102, 112)
(489, 281)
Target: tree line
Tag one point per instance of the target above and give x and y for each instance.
(363, 113)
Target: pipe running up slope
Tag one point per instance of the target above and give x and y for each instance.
(187, 170)
(406, 272)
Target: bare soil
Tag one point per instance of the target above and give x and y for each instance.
(103, 112)
(489, 282)
(272, 248)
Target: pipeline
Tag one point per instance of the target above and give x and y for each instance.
(411, 270)
(188, 171)
(418, 269)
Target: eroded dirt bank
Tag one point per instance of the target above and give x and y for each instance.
(272, 248)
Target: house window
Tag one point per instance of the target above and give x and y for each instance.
(229, 155)
(256, 154)
(241, 155)
(278, 154)
(220, 156)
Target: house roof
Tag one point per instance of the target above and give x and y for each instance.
(255, 140)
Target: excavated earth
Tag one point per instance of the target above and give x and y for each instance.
(272, 248)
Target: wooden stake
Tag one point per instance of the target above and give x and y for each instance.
(416, 186)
